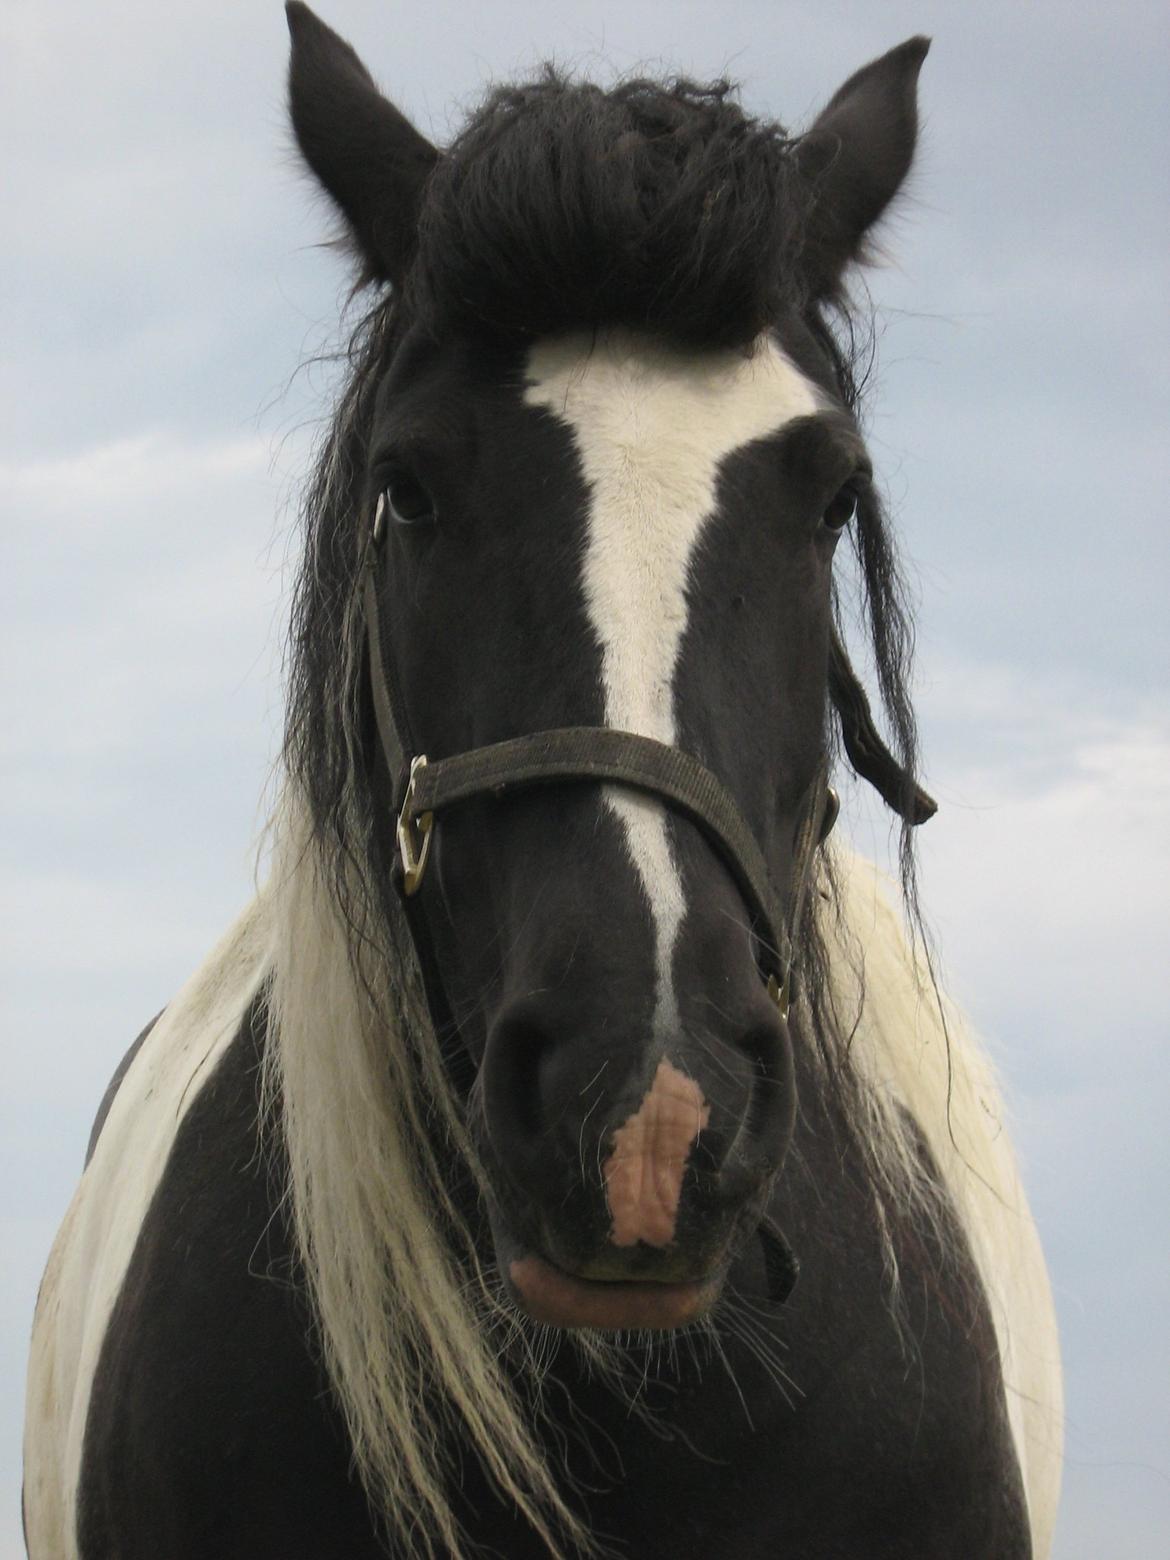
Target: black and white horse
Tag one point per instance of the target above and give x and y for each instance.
(455, 1206)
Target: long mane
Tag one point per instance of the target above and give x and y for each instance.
(672, 209)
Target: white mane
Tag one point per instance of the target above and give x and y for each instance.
(916, 1050)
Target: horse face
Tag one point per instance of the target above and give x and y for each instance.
(608, 530)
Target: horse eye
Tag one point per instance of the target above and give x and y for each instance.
(841, 509)
(407, 500)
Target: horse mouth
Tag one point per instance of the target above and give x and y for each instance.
(550, 1295)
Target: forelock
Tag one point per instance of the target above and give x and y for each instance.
(564, 206)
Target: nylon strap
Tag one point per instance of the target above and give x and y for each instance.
(576, 754)
(396, 748)
(864, 748)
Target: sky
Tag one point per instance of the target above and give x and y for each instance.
(163, 296)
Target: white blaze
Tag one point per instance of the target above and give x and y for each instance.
(652, 425)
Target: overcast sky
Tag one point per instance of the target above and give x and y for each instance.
(161, 281)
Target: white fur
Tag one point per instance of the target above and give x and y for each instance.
(651, 425)
(94, 1245)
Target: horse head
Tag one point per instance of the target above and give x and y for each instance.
(603, 455)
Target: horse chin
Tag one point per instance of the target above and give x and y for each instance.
(549, 1295)
(603, 1287)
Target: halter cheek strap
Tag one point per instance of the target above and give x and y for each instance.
(574, 755)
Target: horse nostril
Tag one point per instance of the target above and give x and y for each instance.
(516, 1056)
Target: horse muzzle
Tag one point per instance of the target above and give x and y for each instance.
(622, 1207)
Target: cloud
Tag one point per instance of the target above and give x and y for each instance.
(147, 581)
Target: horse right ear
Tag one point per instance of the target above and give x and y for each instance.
(854, 159)
(369, 157)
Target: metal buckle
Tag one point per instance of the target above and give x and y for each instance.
(414, 835)
(781, 995)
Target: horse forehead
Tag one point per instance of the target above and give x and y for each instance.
(663, 418)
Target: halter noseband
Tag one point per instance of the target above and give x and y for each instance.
(424, 789)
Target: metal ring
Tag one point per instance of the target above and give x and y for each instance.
(414, 835)
(781, 994)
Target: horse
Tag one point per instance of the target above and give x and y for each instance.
(569, 1152)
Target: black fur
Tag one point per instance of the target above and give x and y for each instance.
(663, 207)
(660, 205)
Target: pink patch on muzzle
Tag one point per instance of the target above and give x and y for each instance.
(644, 1171)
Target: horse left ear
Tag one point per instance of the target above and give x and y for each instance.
(854, 159)
(368, 156)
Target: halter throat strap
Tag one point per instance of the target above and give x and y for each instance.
(424, 789)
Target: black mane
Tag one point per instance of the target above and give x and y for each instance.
(657, 205)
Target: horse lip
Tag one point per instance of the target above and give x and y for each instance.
(550, 1295)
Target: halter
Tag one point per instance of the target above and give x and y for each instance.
(424, 789)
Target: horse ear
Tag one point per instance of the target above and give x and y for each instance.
(367, 155)
(854, 159)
